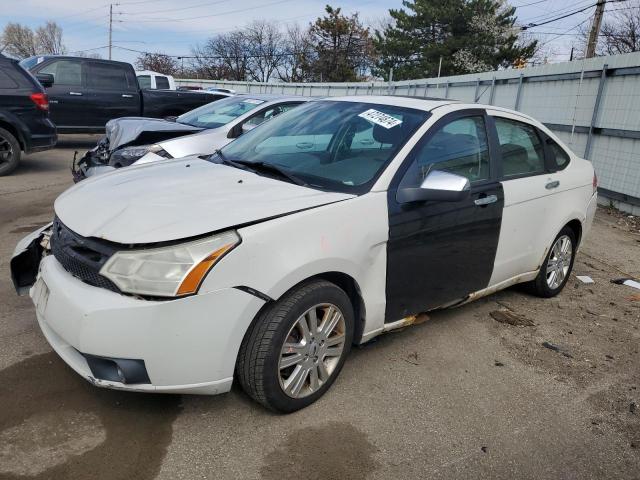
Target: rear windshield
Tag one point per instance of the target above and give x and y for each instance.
(219, 113)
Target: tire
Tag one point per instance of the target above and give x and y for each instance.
(9, 152)
(542, 286)
(262, 366)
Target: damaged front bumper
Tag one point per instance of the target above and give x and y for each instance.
(27, 255)
(92, 163)
(182, 345)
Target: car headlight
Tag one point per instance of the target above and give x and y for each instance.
(170, 271)
(126, 156)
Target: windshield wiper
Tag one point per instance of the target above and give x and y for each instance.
(255, 167)
(225, 161)
(271, 168)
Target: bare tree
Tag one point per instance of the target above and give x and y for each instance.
(224, 56)
(296, 65)
(22, 42)
(621, 32)
(49, 39)
(157, 62)
(19, 41)
(266, 50)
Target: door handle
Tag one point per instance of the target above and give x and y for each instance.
(125, 95)
(78, 94)
(552, 185)
(304, 145)
(486, 200)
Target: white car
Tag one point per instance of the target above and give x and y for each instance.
(127, 139)
(325, 227)
(222, 121)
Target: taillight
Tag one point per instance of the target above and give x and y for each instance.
(41, 100)
(595, 182)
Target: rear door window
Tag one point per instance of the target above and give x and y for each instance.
(162, 83)
(5, 80)
(558, 156)
(144, 81)
(65, 72)
(521, 148)
(104, 76)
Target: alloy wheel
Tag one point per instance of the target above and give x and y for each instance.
(559, 262)
(311, 350)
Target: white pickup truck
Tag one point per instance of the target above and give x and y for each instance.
(155, 80)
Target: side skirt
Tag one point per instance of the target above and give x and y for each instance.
(422, 317)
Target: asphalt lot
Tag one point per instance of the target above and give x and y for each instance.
(459, 396)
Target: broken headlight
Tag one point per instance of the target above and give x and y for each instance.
(170, 271)
(128, 155)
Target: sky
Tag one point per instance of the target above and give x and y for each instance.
(174, 26)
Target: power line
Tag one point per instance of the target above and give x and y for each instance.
(531, 25)
(217, 14)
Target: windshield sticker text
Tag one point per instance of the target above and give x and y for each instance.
(380, 118)
(253, 101)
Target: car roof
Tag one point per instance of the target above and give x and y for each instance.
(71, 57)
(272, 97)
(420, 103)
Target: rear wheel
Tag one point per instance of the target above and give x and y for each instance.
(295, 350)
(9, 152)
(555, 270)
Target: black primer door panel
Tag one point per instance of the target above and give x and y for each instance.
(439, 252)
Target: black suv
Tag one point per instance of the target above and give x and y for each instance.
(24, 114)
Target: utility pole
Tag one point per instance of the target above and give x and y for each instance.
(110, 27)
(595, 29)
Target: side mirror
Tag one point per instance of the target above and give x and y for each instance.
(45, 79)
(439, 186)
(235, 131)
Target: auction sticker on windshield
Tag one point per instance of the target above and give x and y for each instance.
(380, 118)
(253, 101)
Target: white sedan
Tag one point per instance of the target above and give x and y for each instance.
(325, 227)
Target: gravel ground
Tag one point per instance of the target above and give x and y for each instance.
(510, 386)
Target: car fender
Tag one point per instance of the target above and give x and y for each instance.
(348, 237)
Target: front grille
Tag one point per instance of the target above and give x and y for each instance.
(81, 257)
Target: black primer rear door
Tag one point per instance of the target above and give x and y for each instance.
(439, 252)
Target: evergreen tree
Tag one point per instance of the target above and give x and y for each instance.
(469, 35)
(342, 46)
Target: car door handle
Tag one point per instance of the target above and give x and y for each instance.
(304, 145)
(126, 95)
(552, 185)
(486, 200)
(78, 94)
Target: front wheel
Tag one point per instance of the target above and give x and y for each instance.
(295, 350)
(556, 268)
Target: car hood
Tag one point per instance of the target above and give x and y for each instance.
(201, 143)
(121, 131)
(177, 199)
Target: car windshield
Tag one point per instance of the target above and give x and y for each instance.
(334, 145)
(219, 113)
